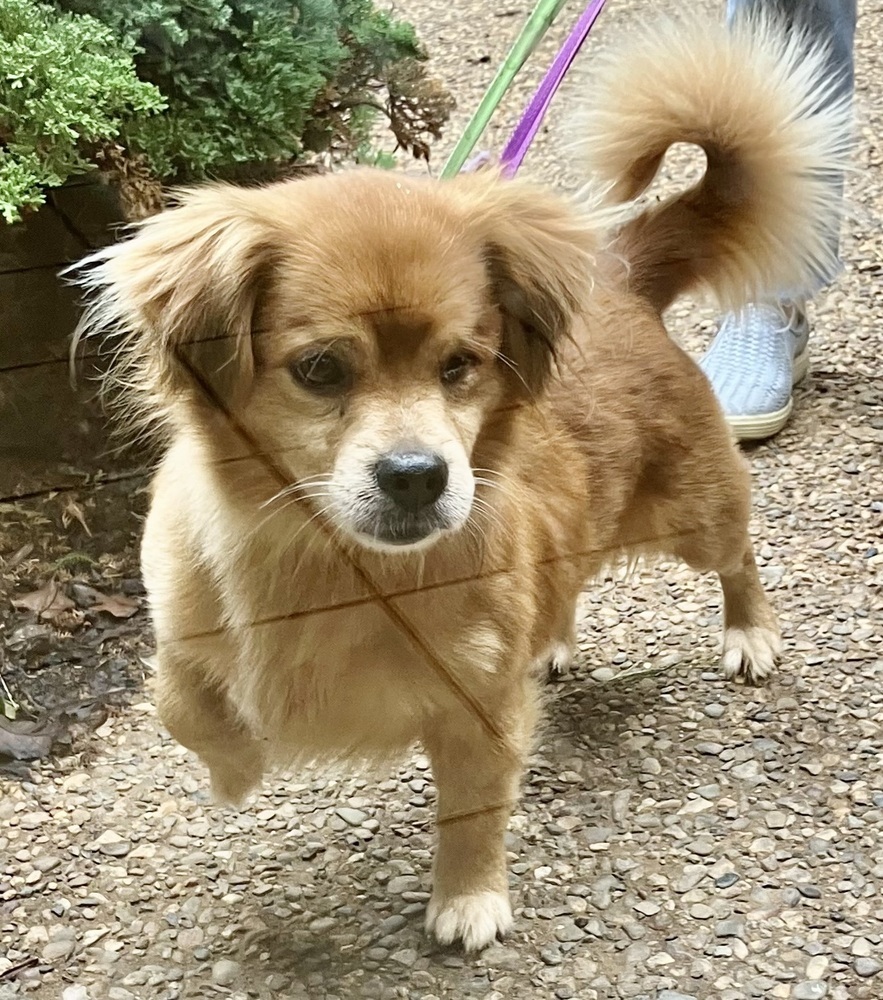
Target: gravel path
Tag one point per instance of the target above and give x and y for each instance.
(678, 838)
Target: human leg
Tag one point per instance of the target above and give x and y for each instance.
(761, 352)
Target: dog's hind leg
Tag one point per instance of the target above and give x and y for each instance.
(557, 659)
(719, 542)
(200, 717)
(752, 640)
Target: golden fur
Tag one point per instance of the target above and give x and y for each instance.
(503, 330)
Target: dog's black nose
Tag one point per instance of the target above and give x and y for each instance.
(412, 479)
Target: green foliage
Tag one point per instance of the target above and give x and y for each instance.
(73, 561)
(220, 88)
(65, 84)
(368, 156)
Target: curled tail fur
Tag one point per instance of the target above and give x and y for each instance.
(776, 130)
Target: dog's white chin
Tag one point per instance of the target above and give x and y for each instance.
(375, 544)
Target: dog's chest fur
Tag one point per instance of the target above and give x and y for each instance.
(330, 670)
(312, 663)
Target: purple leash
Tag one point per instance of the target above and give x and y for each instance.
(516, 148)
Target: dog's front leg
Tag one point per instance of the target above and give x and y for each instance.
(477, 779)
(201, 718)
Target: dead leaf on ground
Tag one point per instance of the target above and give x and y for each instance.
(84, 595)
(33, 635)
(19, 556)
(65, 723)
(118, 605)
(72, 511)
(49, 601)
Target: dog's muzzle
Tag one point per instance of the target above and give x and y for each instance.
(410, 484)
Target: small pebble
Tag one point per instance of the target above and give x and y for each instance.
(811, 989)
(647, 907)
(746, 770)
(701, 848)
(46, 863)
(276, 982)
(406, 957)
(816, 967)
(402, 883)
(225, 972)
(726, 880)
(867, 967)
(116, 848)
(568, 931)
(56, 950)
(809, 891)
(603, 674)
(352, 817)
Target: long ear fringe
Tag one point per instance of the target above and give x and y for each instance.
(541, 250)
(181, 289)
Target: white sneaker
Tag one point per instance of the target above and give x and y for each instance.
(756, 359)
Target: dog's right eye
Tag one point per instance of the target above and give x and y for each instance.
(457, 367)
(321, 371)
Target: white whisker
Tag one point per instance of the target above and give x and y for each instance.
(291, 502)
(492, 517)
(295, 488)
(291, 541)
(510, 364)
(494, 472)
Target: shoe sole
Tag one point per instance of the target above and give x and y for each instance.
(759, 426)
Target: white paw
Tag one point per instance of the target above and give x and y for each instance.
(230, 788)
(750, 654)
(477, 920)
(557, 659)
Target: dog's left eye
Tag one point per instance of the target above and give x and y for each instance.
(321, 371)
(457, 367)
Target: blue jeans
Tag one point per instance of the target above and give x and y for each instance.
(832, 21)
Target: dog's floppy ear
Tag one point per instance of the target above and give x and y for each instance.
(540, 250)
(179, 298)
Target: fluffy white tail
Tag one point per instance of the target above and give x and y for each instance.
(776, 130)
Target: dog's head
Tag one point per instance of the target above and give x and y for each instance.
(360, 329)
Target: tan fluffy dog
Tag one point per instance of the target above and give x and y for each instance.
(409, 420)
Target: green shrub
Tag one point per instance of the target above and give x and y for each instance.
(228, 88)
(66, 84)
